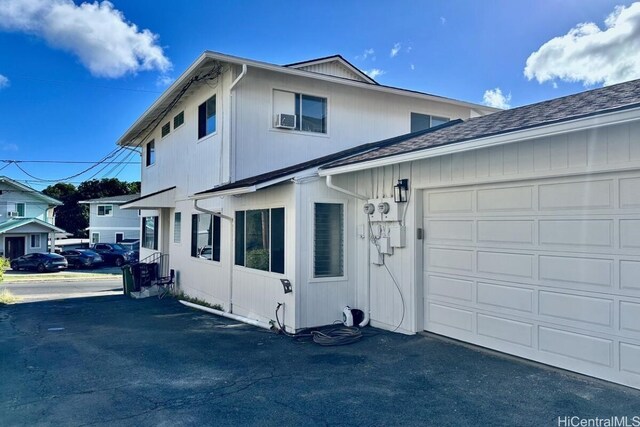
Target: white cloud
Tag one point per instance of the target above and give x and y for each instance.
(412, 66)
(164, 80)
(443, 20)
(97, 33)
(495, 98)
(5, 146)
(368, 53)
(590, 55)
(374, 72)
(4, 81)
(395, 49)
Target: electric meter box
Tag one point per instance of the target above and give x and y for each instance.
(398, 236)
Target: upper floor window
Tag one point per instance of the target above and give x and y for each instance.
(105, 210)
(177, 227)
(178, 120)
(207, 117)
(20, 209)
(260, 239)
(424, 121)
(151, 152)
(310, 111)
(166, 129)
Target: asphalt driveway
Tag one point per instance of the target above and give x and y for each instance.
(115, 361)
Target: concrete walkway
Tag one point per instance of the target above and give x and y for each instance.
(116, 361)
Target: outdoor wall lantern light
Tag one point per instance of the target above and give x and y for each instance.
(400, 191)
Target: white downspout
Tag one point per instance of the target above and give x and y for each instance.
(232, 121)
(253, 322)
(230, 219)
(367, 311)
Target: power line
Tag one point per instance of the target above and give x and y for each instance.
(58, 161)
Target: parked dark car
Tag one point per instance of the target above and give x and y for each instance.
(114, 253)
(132, 245)
(40, 262)
(82, 258)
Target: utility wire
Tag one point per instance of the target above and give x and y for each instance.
(57, 161)
(212, 74)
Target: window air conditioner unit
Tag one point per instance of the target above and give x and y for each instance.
(12, 213)
(286, 121)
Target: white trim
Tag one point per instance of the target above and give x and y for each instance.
(312, 229)
(209, 55)
(606, 119)
(105, 206)
(114, 228)
(31, 245)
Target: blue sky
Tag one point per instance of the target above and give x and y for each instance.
(74, 76)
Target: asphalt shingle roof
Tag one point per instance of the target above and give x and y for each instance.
(114, 199)
(598, 101)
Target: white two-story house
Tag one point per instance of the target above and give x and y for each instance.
(108, 223)
(26, 219)
(228, 119)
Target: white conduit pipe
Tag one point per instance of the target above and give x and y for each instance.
(367, 309)
(246, 320)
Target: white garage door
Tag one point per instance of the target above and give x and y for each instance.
(548, 270)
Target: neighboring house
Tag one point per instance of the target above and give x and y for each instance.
(519, 231)
(108, 223)
(26, 219)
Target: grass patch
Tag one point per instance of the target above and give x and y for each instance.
(6, 297)
(184, 297)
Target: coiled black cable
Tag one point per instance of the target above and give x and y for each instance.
(331, 337)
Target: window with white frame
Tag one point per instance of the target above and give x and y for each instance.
(95, 237)
(328, 240)
(260, 239)
(177, 227)
(150, 232)
(425, 121)
(105, 210)
(207, 117)
(35, 241)
(310, 111)
(119, 237)
(20, 209)
(151, 152)
(205, 236)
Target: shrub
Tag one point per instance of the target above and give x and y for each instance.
(258, 258)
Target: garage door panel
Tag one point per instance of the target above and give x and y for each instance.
(506, 231)
(629, 356)
(589, 271)
(550, 272)
(630, 233)
(509, 297)
(629, 194)
(505, 263)
(517, 198)
(630, 275)
(596, 233)
(576, 195)
(450, 287)
(598, 311)
(451, 317)
(576, 346)
(512, 331)
(450, 259)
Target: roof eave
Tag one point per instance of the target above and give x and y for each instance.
(125, 139)
(583, 123)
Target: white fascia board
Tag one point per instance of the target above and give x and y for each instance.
(607, 119)
(180, 81)
(253, 188)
